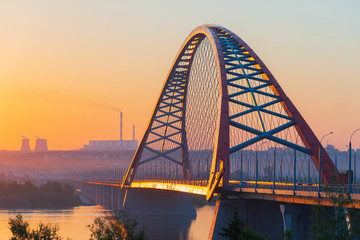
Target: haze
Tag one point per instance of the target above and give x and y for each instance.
(67, 67)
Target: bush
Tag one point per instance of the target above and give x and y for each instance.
(116, 226)
(21, 231)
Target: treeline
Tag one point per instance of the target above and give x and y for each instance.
(27, 195)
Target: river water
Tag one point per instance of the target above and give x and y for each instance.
(73, 223)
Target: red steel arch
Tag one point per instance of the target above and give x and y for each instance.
(307, 135)
(221, 146)
(220, 168)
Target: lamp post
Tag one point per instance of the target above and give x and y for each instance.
(320, 189)
(241, 169)
(354, 165)
(349, 174)
(274, 173)
(257, 167)
(335, 167)
(294, 177)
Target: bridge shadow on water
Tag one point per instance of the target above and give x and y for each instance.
(164, 214)
(166, 227)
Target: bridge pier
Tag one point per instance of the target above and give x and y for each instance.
(266, 217)
(107, 197)
(98, 195)
(115, 199)
(93, 193)
(102, 196)
(157, 202)
(297, 219)
(155, 209)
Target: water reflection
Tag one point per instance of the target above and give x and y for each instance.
(200, 228)
(166, 227)
(179, 227)
(73, 223)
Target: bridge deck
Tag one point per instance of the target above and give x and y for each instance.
(283, 192)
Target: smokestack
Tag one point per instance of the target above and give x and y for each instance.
(121, 126)
(133, 132)
(25, 146)
(41, 145)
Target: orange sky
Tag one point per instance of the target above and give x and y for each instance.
(65, 64)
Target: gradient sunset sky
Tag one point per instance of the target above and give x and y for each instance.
(68, 66)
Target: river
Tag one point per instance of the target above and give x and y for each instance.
(73, 223)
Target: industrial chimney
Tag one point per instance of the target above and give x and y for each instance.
(25, 146)
(133, 132)
(121, 126)
(41, 145)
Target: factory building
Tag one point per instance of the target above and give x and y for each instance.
(112, 145)
(94, 145)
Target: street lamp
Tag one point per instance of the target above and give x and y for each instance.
(257, 165)
(294, 177)
(320, 160)
(354, 165)
(336, 171)
(349, 179)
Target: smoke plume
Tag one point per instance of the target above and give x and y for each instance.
(35, 94)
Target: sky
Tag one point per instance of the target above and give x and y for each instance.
(68, 67)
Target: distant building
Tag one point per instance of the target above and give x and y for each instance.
(331, 147)
(110, 145)
(41, 145)
(113, 145)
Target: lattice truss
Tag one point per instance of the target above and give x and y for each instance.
(264, 138)
(180, 142)
(260, 128)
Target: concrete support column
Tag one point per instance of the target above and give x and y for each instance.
(121, 198)
(114, 199)
(99, 190)
(102, 195)
(106, 197)
(92, 192)
(297, 219)
(97, 195)
(107, 203)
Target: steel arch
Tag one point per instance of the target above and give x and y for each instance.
(221, 152)
(228, 48)
(307, 135)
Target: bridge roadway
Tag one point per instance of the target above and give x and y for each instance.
(280, 192)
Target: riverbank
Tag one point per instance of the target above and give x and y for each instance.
(51, 195)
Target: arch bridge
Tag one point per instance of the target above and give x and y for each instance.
(222, 125)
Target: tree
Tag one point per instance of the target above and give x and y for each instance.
(116, 226)
(337, 222)
(19, 228)
(238, 230)
(21, 231)
(287, 235)
(68, 189)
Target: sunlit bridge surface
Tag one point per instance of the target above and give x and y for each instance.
(284, 192)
